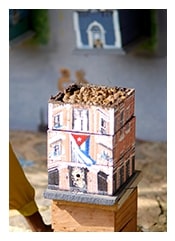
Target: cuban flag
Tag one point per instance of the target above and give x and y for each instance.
(80, 149)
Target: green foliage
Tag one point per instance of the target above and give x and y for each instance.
(151, 43)
(40, 25)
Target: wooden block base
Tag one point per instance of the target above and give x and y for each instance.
(70, 216)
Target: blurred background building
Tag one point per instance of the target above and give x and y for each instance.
(114, 47)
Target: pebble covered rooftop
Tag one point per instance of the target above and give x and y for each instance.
(92, 95)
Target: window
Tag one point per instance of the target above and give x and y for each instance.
(57, 149)
(80, 120)
(128, 169)
(97, 29)
(103, 126)
(53, 177)
(122, 135)
(133, 164)
(57, 121)
(114, 182)
(102, 181)
(96, 36)
(121, 176)
(127, 127)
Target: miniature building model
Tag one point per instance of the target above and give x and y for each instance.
(109, 28)
(92, 179)
(91, 139)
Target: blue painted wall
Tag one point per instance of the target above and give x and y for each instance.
(85, 18)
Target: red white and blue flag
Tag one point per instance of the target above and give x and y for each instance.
(80, 139)
(81, 144)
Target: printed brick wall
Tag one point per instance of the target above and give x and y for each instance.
(91, 148)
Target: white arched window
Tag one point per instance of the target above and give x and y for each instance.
(96, 35)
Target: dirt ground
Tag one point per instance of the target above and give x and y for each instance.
(151, 159)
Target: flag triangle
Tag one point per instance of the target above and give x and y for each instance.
(79, 138)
